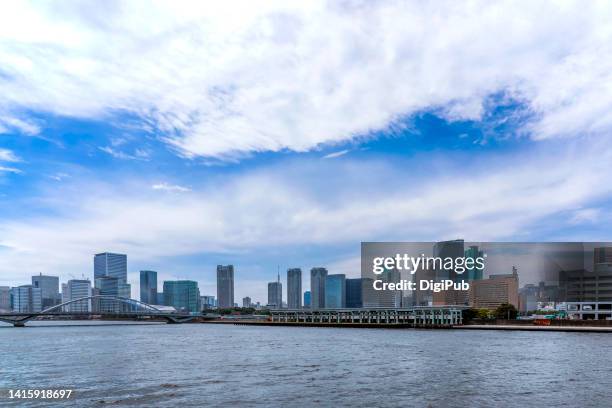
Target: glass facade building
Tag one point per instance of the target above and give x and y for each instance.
(78, 289)
(275, 295)
(110, 278)
(317, 287)
(225, 285)
(183, 295)
(474, 273)
(335, 291)
(294, 288)
(307, 299)
(110, 265)
(26, 299)
(148, 287)
(49, 287)
(354, 291)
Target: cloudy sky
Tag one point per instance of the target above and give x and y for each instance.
(282, 134)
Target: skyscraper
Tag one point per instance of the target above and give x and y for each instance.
(275, 295)
(225, 285)
(307, 299)
(448, 249)
(49, 287)
(148, 287)
(183, 295)
(294, 288)
(26, 299)
(473, 273)
(110, 265)
(335, 291)
(354, 291)
(317, 288)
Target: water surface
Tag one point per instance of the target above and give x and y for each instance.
(225, 365)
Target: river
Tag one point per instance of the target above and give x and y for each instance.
(194, 365)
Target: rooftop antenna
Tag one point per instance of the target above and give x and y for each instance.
(278, 273)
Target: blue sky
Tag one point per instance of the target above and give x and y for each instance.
(274, 135)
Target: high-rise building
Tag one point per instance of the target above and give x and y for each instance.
(448, 249)
(77, 289)
(110, 265)
(148, 287)
(110, 278)
(49, 287)
(317, 288)
(5, 298)
(107, 286)
(473, 273)
(225, 285)
(307, 299)
(294, 288)
(160, 299)
(354, 292)
(26, 299)
(335, 291)
(389, 298)
(208, 302)
(246, 302)
(183, 295)
(275, 295)
(451, 249)
(495, 291)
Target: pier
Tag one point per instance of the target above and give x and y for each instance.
(418, 316)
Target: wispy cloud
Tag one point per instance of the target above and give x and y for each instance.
(298, 75)
(58, 176)
(170, 187)
(8, 156)
(10, 170)
(139, 154)
(336, 154)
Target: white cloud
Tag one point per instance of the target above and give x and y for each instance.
(8, 156)
(170, 187)
(222, 80)
(311, 203)
(10, 169)
(336, 154)
(139, 154)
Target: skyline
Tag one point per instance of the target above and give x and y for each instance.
(287, 134)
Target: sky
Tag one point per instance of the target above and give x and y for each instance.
(272, 135)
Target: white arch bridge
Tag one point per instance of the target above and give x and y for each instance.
(104, 306)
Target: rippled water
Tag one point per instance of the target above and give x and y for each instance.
(226, 365)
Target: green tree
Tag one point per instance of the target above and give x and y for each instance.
(483, 314)
(469, 314)
(506, 311)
